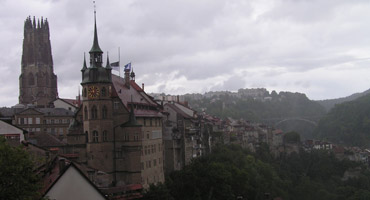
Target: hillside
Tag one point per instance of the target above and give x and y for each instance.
(330, 103)
(268, 108)
(347, 123)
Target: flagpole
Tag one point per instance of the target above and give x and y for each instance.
(119, 62)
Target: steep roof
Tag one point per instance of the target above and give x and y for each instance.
(135, 95)
(178, 110)
(56, 173)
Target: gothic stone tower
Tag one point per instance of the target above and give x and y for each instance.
(37, 82)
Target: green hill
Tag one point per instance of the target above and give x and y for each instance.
(347, 123)
(268, 109)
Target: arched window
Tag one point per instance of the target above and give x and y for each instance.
(95, 136)
(85, 113)
(94, 112)
(103, 92)
(104, 112)
(105, 136)
(31, 79)
(87, 136)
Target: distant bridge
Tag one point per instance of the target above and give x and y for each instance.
(277, 121)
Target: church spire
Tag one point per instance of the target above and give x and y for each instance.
(84, 67)
(95, 48)
(108, 64)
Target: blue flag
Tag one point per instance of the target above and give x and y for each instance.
(128, 67)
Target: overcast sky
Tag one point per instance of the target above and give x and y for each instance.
(317, 47)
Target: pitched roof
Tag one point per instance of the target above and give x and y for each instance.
(55, 173)
(72, 102)
(46, 140)
(136, 96)
(178, 110)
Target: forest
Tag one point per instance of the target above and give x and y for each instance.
(231, 172)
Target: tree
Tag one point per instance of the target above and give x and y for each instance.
(17, 179)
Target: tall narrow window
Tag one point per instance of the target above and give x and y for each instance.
(94, 112)
(105, 136)
(87, 136)
(85, 113)
(103, 92)
(104, 112)
(95, 136)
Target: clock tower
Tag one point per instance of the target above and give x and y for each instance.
(97, 106)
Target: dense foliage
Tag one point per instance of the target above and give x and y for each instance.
(347, 123)
(17, 179)
(231, 172)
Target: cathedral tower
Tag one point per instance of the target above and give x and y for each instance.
(37, 82)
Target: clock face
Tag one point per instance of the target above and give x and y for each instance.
(93, 92)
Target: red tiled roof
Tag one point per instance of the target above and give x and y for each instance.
(134, 94)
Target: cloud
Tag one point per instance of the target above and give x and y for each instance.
(179, 46)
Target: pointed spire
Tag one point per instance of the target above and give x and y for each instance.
(34, 22)
(95, 48)
(108, 64)
(84, 66)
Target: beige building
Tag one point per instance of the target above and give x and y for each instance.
(148, 115)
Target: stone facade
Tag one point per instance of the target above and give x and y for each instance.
(37, 82)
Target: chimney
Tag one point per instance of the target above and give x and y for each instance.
(127, 78)
(142, 86)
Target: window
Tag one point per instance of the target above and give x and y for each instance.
(87, 136)
(154, 162)
(144, 122)
(37, 120)
(95, 136)
(94, 112)
(29, 120)
(61, 131)
(105, 136)
(52, 121)
(116, 105)
(85, 113)
(104, 112)
(103, 92)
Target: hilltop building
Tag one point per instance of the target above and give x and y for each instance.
(37, 82)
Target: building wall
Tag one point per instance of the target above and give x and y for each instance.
(152, 151)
